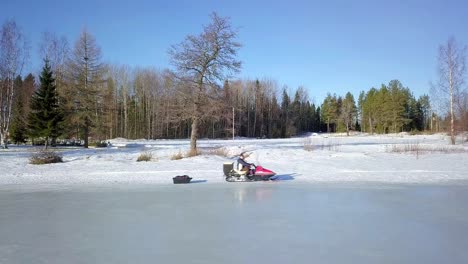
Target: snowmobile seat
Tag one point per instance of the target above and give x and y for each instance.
(229, 166)
(240, 172)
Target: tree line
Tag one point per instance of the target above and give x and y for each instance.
(390, 109)
(80, 97)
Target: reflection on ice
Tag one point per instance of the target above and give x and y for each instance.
(248, 194)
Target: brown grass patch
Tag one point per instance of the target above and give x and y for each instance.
(223, 152)
(145, 156)
(193, 153)
(177, 156)
(418, 149)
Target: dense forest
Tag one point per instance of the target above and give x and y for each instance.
(79, 97)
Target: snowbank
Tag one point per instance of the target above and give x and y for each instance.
(307, 159)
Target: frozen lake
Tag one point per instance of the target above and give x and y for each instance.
(282, 222)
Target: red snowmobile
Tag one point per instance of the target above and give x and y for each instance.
(255, 173)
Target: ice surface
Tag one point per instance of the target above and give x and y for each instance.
(348, 200)
(275, 222)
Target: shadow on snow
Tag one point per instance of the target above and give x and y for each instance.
(284, 177)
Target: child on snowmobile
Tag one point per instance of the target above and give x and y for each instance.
(245, 165)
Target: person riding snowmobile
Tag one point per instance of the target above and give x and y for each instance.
(245, 171)
(245, 165)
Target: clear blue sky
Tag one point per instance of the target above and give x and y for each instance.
(325, 46)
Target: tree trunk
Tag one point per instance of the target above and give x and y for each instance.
(86, 134)
(194, 134)
(4, 139)
(46, 143)
(255, 120)
(125, 114)
(6, 104)
(233, 123)
(248, 119)
(452, 123)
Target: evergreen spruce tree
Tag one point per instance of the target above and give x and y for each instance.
(425, 104)
(45, 116)
(274, 126)
(286, 123)
(296, 113)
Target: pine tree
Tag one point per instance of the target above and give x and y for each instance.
(360, 120)
(25, 89)
(85, 73)
(370, 109)
(296, 113)
(330, 111)
(348, 111)
(45, 116)
(18, 124)
(286, 124)
(274, 126)
(425, 104)
(400, 111)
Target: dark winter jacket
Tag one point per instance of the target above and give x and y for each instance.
(244, 163)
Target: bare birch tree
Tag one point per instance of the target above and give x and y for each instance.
(203, 60)
(451, 70)
(13, 55)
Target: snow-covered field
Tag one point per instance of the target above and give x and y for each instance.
(316, 158)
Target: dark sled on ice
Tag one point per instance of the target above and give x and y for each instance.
(181, 179)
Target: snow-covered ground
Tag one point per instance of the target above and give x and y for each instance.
(316, 158)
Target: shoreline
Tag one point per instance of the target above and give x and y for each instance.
(193, 186)
(330, 160)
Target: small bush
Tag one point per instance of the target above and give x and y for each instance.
(326, 144)
(145, 156)
(330, 146)
(308, 145)
(45, 157)
(38, 142)
(99, 144)
(223, 152)
(417, 148)
(177, 156)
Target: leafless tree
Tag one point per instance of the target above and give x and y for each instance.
(56, 50)
(14, 52)
(203, 60)
(462, 109)
(121, 75)
(451, 70)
